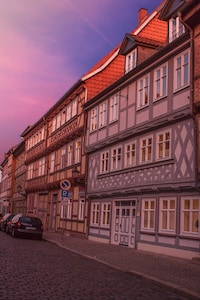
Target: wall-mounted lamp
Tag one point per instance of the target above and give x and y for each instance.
(75, 173)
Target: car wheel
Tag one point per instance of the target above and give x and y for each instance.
(14, 233)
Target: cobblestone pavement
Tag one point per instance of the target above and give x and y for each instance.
(39, 270)
(180, 275)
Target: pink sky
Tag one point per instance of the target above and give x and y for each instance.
(46, 46)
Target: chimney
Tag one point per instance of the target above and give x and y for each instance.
(142, 13)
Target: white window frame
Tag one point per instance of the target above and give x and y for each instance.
(160, 82)
(30, 171)
(63, 116)
(105, 214)
(94, 119)
(167, 215)
(176, 29)
(181, 70)
(116, 158)
(95, 214)
(41, 168)
(143, 91)
(74, 107)
(63, 157)
(163, 145)
(114, 108)
(190, 216)
(146, 149)
(58, 122)
(54, 124)
(102, 114)
(81, 207)
(148, 214)
(104, 162)
(69, 112)
(78, 151)
(70, 154)
(130, 154)
(52, 162)
(66, 209)
(131, 61)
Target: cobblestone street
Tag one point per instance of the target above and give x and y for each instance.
(32, 269)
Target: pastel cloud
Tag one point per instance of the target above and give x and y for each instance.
(46, 46)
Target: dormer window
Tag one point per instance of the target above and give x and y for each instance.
(176, 29)
(131, 59)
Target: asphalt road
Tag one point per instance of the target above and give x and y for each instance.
(40, 270)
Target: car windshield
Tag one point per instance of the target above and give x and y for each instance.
(32, 221)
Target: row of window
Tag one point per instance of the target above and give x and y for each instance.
(66, 208)
(108, 111)
(65, 115)
(167, 213)
(35, 139)
(190, 214)
(111, 160)
(66, 156)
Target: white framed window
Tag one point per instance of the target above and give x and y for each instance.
(190, 216)
(143, 92)
(52, 162)
(74, 107)
(94, 119)
(102, 114)
(70, 154)
(160, 82)
(131, 61)
(41, 170)
(176, 29)
(148, 214)
(63, 157)
(81, 207)
(54, 124)
(95, 212)
(105, 214)
(146, 149)
(130, 154)
(30, 171)
(114, 108)
(77, 151)
(167, 221)
(163, 145)
(116, 158)
(181, 70)
(58, 122)
(66, 209)
(63, 116)
(104, 162)
(69, 112)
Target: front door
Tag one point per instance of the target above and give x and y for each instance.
(124, 223)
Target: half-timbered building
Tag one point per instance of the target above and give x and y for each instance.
(143, 182)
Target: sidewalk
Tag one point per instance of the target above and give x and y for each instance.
(180, 275)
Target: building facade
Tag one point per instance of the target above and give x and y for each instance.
(143, 184)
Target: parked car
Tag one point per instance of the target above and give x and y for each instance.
(5, 220)
(22, 225)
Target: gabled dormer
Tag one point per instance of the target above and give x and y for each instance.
(136, 49)
(170, 13)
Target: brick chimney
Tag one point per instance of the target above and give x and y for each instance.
(142, 14)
